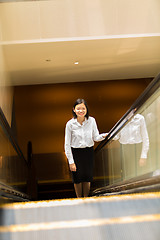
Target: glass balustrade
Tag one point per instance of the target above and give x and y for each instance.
(13, 167)
(134, 150)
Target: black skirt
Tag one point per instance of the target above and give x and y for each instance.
(83, 158)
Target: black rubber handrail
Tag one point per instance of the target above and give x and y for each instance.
(152, 87)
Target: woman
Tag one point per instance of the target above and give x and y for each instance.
(80, 133)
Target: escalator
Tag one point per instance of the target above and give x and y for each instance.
(125, 199)
(135, 216)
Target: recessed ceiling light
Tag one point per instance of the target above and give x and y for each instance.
(76, 63)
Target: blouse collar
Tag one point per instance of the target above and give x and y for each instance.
(83, 123)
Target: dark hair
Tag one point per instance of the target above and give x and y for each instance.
(79, 101)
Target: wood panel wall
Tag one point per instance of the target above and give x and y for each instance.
(41, 112)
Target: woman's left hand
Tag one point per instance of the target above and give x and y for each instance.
(105, 135)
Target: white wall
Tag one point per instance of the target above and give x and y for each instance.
(6, 91)
(78, 18)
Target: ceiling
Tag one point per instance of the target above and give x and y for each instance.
(4, 1)
(99, 59)
(42, 40)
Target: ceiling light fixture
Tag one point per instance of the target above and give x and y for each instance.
(76, 63)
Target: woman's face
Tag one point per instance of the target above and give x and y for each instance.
(80, 110)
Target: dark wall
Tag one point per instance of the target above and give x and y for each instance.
(41, 111)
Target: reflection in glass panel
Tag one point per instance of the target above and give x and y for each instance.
(13, 169)
(135, 150)
(134, 147)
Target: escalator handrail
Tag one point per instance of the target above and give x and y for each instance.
(151, 88)
(8, 132)
(12, 194)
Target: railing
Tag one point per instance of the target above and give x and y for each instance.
(32, 186)
(13, 165)
(130, 156)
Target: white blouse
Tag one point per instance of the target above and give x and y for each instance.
(135, 132)
(81, 136)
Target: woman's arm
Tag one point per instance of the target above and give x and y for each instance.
(145, 139)
(67, 144)
(96, 136)
(145, 143)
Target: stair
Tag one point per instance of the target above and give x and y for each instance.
(121, 217)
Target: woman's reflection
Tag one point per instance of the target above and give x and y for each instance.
(134, 146)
